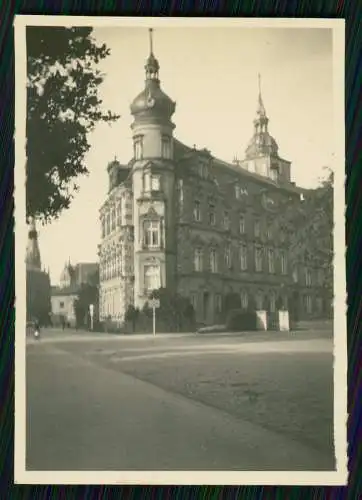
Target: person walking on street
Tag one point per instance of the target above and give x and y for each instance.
(36, 329)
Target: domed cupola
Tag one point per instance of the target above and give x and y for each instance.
(262, 143)
(152, 102)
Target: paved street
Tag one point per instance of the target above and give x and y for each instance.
(209, 402)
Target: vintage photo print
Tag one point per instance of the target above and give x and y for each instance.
(180, 251)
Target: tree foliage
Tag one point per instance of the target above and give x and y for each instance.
(88, 294)
(309, 223)
(175, 311)
(63, 107)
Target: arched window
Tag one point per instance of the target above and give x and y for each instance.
(243, 257)
(198, 259)
(213, 260)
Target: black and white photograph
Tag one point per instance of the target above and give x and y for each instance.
(180, 256)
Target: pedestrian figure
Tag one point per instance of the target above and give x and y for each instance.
(36, 329)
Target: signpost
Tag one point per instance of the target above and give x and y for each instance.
(91, 313)
(155, 304)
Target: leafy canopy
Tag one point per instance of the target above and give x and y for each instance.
(63, 107)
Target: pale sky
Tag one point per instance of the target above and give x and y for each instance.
(212, 74)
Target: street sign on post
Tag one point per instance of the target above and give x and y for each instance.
(91, 313)
(155, 304)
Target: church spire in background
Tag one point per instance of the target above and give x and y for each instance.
(32, 259)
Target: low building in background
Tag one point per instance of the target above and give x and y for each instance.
(75, 282)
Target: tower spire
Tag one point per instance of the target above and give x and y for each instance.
(32, 250)
(150, 31)
(152, 65)
(261, 109)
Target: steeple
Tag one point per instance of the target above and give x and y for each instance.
(261, 120)
(32, 251)
(152, 66)
(262, 143)
(152, 103)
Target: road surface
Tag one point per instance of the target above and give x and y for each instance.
(83, 414)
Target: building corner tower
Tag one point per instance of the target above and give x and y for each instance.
(153, 180)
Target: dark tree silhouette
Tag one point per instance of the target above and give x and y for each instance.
(62, 108)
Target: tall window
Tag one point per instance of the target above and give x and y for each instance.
(308, 277)
(228, 256)
(308, 304)
(180, 190)
(218, 303)
(274, 174)
(258, 259)
(272, 302)
(197, 211)
(295, 274)
(212, 214)
(237, 191)
(257, 229)
(244, 299)
(243, 257)
(166, 147)
(226, 220)
(138, 148)
(242, 224)
(198, 258)
(193, 298)
(269, 231)
(271, 262)
(213, 260)
(152, 279)
(283, 262)
(151, 231)
(155, 183)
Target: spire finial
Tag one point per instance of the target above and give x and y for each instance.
(259, 83)
(151, 40)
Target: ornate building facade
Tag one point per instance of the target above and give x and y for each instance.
(179, 218)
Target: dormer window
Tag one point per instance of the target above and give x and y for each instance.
(166, 147)
(274, 174)
(138, 147)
